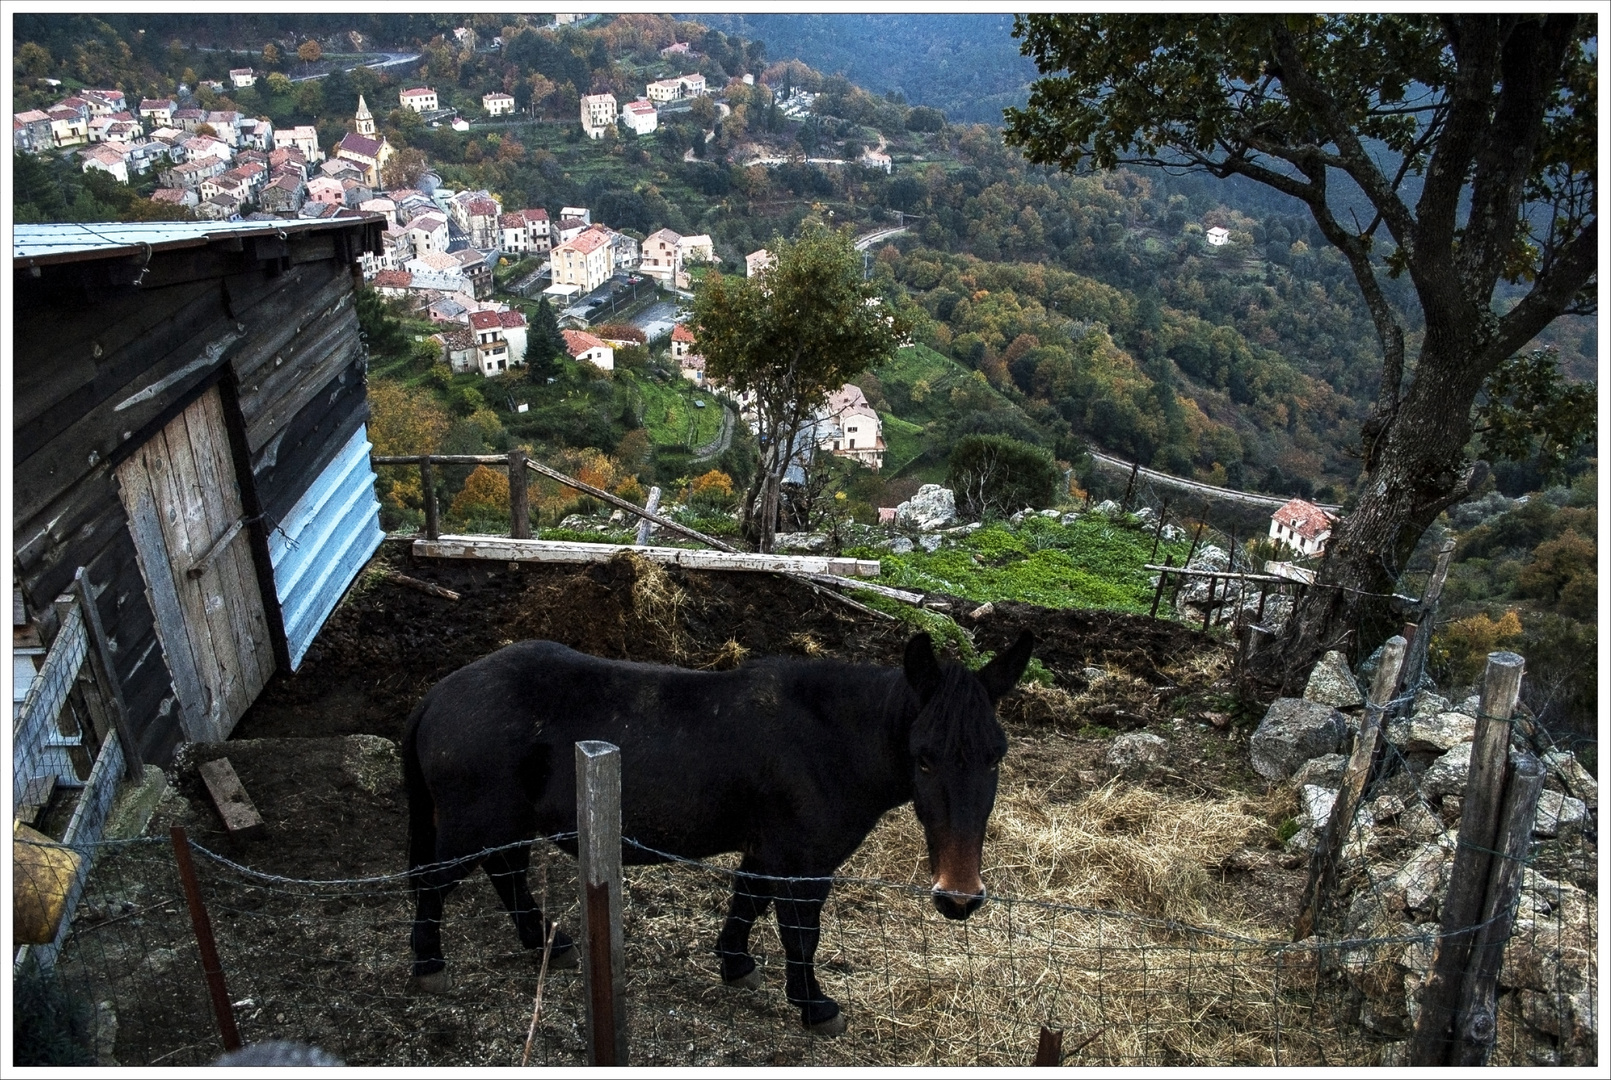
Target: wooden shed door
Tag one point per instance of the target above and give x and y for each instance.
(184, 510)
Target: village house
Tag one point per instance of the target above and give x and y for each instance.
(282, 195)
(697, 249)
(477, 213)
(304, 138)
(326, 189)
(640, 117)
(581, 213)
(257, 132)
(682, 342)
(675, 89)
(379, 204)
(419, 98)
(191, 173)
(585, 262)
(102, 102)
(583, 346)
(393, 284)
(497, 103)
(680, 48)
(185, 197)
(492, 351)
(31, 132)
(1302, 526)
(68, 127)
(288, 158)
(1218, 237)
(438, 270)
(107, 160)
(523, 231)
(116, 127)
(875, 159)
(662, 258)
(458, 349)
(242, 77)
(474, 265)
(849, 427)
(428, 233)
(757, 261)
(690, 365)
(567, 229)
(202, 147)
(220, 207)
(235, 183)
(158, 112)
(598, 114)
(354, 193)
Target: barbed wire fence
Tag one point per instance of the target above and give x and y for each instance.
(326, 962)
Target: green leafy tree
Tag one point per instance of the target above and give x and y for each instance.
(309, 52)
(788, 338)
(1459, 150)
(544, 343)
(997, 475)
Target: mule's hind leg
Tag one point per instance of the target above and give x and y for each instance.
(752, 895)
(507, 869)
(431, 887)
(799, 907)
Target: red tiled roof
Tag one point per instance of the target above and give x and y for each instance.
(537, 214)
(1304, 518)
(396, 279)
(511, 319)
(578, 342)
(484, 320)
(484, 207)
(587, 241)
(680, 332)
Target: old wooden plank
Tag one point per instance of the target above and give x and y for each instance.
(310, 379)
(310, 443)
(289, 446)
(235, 807)
(506, 549)
(206, 601)
(242, 606)
(151, 550)
(284, 345)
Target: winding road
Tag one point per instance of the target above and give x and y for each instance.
(392, 59)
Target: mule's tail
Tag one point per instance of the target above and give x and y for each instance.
(421, 807)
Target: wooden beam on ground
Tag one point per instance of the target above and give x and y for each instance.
(229, 795)
(506, 549)
(839, 582)
(423, 586)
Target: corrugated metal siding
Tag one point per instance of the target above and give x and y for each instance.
(324, 541)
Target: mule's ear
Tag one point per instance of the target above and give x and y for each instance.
(1003, 673)
(922, 667)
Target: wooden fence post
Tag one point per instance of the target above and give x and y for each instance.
(100, 657)
(1432, 1042)
(1356, 777)
(1476, 1021)
(203, 927)
(1128, 488)
(598, 862)
(1157, 532)
(1157, 594)
(645, 526)
(519, 503)
(428, 493)
(1426, 617)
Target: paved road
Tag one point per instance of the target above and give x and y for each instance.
(656, 319)
(392, 58)
(882, 234)
(1119, 465)
(717, 446)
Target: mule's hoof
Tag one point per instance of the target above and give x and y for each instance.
(750, 980)
(833, 1026)
(565, 959)
(437, 982)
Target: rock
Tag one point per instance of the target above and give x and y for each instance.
(930, 542)
(1331, 683)
(1386, 808)
(1048, 513)
(1107, 508)
(1419, 822)
(1421, 879)
(1471, 706)
(575, 521)
(106, 1034)
(1068, 519)
(1428, 702)
(1573, 776)
(618, 517)
(933, 507)
(1292, 732)
(1093, 674)
(1438, 731)
(800, 541)
(1447, 775)
(1326, 770)
(1209, 557)
(982, 611)
(901, 546)
(371, 762)
(1136, 754)
(1317, 804)
(1147, 516)
(1557, 812)
(1172, 534)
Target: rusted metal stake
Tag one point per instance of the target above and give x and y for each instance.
(1049, 1050)
(202, 925)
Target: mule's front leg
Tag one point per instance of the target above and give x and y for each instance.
(507, 869)
(751, 897)
(799, 907)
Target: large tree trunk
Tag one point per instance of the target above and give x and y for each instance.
(1415, 469)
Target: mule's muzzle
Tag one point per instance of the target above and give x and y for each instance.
(955, 905)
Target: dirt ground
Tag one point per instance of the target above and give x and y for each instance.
(335, 812)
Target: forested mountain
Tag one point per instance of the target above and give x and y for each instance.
(967, 66)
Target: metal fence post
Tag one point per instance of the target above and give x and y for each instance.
(202, 925)
(598, 851)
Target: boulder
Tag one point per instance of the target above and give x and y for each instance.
(1209, 557)
(1147, 516)
(1447, 775)
(901, 546)
(930, 542)
(1107, 508)
(1326, 770)
(933, 507)
(1331, 683)
(1571, 773)
(1069, 518)
(1172, 534)
(1557, 812)
(811, 543)
(1292, 732)
(1420, 823)
(1136, 754)
(1438, 731)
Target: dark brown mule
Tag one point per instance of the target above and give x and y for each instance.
(791, 762)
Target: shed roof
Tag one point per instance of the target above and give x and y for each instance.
(38, 245)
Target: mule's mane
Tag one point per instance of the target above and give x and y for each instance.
(960, 721)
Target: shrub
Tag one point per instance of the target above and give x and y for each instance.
(994, 474)
(486, 491)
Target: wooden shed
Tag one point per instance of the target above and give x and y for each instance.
(189, 426)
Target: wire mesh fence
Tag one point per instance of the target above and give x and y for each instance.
(326, 963)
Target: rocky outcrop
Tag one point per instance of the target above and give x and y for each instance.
(933, 507)
(1293, 731)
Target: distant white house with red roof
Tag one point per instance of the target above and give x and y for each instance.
(1302, 526)
(419, 98)
(584, 346)
(497, 103)
(640, 117)
(849, 427)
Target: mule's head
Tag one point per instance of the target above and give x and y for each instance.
(957, 745)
